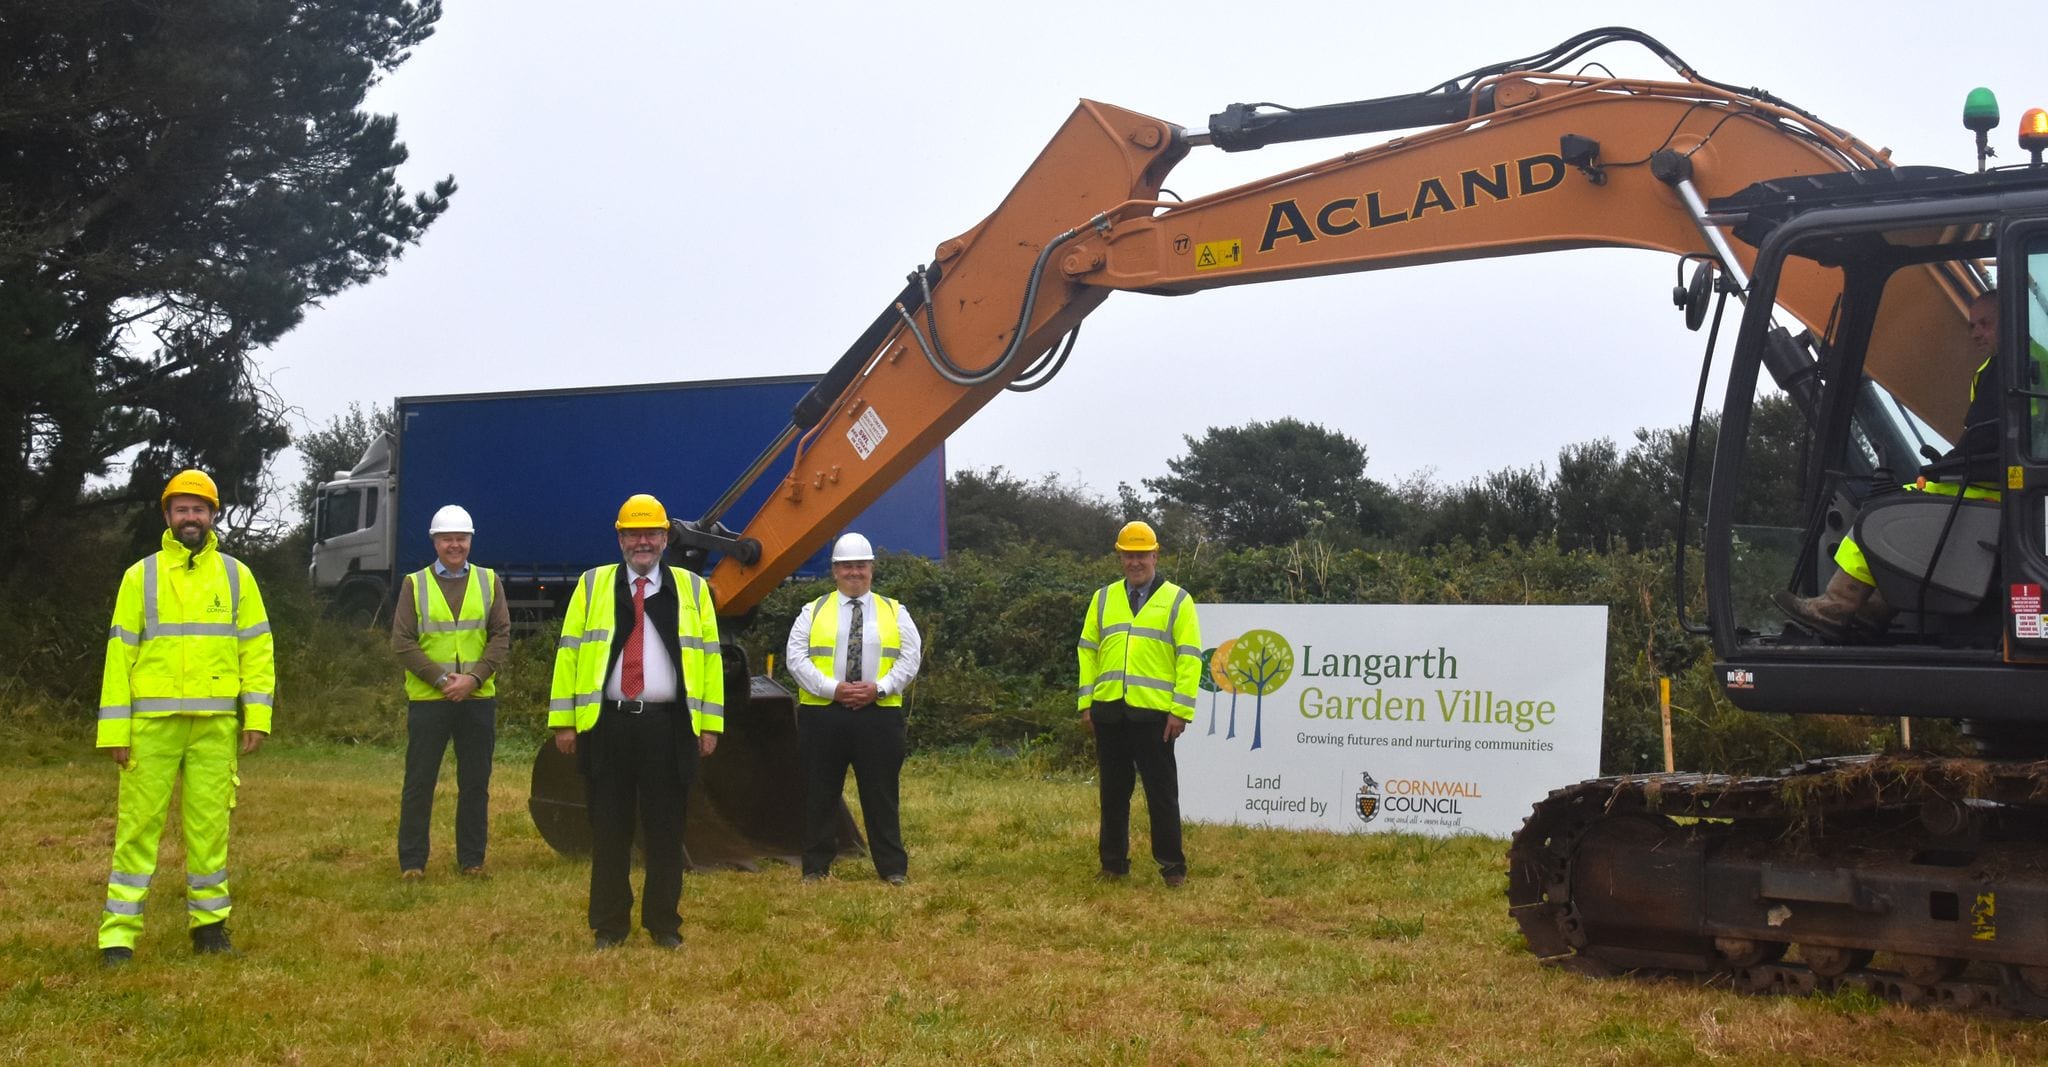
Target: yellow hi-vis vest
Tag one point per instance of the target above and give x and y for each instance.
(825, 642)
(453, 642)
(1151, 660)
(586, 647)
(189, 637)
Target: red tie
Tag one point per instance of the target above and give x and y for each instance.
(633, 672)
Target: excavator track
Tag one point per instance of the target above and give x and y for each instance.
(1919, 880)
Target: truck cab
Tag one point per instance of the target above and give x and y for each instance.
(352, 536)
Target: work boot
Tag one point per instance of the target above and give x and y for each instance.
(1875, 616)
(1831, 614)
(212, 940)
(116, 956)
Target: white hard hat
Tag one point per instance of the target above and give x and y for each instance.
(852, 548)
(451, 519)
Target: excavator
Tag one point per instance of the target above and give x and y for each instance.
(1921, 879)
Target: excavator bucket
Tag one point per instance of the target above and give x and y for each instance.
(746, 805)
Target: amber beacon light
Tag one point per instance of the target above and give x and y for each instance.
(2034, 132)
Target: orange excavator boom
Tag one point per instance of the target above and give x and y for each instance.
(1520, 161)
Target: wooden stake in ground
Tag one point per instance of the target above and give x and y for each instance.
(1664, 706)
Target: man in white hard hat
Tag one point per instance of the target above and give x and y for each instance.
(451, 630)
(853, 652)
(1141, 665)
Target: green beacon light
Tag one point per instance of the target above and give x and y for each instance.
(1980, 116)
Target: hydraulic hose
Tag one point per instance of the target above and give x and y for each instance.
(934, 350)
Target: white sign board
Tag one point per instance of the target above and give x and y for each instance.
(1414, 718)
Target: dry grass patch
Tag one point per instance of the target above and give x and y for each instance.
(1283, 948)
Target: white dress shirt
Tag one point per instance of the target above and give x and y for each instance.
(909, 654)
(657, 672)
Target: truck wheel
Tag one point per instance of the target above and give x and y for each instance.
(358, 609)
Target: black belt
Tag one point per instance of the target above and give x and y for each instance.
(635, 707)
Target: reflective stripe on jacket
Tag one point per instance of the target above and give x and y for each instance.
(825, 642)
(1151, 660)
(584, 654)
(189, 637)
(454, 642)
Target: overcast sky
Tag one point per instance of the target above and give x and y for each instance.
(655, 191)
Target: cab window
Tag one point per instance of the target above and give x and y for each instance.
(339, 513)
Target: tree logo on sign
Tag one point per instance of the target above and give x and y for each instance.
(1216, 679)
(1259, 662)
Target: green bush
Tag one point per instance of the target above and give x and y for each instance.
(999, 632)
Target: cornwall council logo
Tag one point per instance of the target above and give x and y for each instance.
(1368, 801)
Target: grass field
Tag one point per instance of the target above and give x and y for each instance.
(1283, 948)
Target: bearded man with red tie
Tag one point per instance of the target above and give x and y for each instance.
(638, 710)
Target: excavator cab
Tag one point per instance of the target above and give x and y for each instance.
(1886, 427)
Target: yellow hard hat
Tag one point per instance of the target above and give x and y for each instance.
(642, 512)
(191, 483)
(1137, 537)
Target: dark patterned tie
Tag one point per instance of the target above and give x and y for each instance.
(853, 643)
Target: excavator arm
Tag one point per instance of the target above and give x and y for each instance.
(1529, 161)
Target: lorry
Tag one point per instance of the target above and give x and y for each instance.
(1919, 879)
(542, 472)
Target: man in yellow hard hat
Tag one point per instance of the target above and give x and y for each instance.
(853, 652)
(638, 698)
(451, 630)
(190, 643)
(1141, 667)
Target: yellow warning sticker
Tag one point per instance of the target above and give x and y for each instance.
(2015, 477)
(1214, 255)
(1984, 917)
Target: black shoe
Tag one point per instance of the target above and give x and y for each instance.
(671, 942)
(212, 940)
(116, 956)
(895, 879)
(1174, 880)
(605, 941)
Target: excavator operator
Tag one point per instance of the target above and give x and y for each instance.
(1851, 608)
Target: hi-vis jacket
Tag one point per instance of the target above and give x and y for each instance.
(584, 655)
(453, 642)
(825, 643)
(189, 637)
(1152, 660)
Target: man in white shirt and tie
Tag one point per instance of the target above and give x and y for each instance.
(853, 653)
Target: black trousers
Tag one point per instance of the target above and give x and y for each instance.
(1129, 745)
(637, 769)
(872, 741)
(429, 726)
